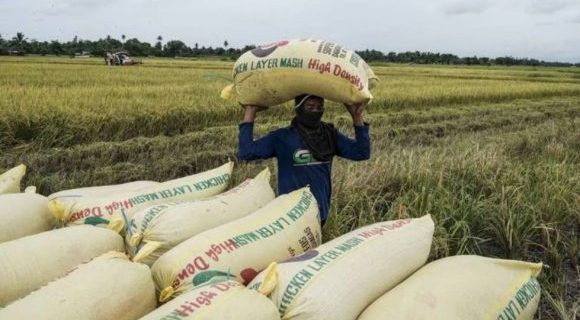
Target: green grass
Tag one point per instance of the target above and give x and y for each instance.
(492, 153)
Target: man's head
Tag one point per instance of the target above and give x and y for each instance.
(309, 103)
(309, 110)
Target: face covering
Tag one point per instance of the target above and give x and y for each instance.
(309, 119)
(318, 137)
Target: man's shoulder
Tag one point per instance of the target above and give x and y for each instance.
(281, 131)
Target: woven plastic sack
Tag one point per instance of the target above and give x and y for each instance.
(115, 210)
(463, 287)
(158, 229)
(285, 227)
(23, 214)
(108, 287)
(99, 191)
(272, 74)
(31, 262)
(10, 180)
(217, 300)
(340, 278)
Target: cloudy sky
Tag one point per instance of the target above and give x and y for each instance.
(544, 29)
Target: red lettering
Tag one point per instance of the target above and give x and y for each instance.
(190, 269)
(337, 70)
(185, 310)
(225, 286)
(97, 212)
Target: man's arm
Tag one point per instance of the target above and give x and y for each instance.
(250, 149)
(360, 147)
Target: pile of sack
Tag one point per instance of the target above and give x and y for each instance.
(191, 249)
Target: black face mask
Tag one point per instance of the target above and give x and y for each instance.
(309, 119)
(319, 137)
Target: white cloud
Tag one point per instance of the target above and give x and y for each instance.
(548, 7)
(462, 7)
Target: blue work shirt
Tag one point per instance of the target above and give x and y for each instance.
(297, 167)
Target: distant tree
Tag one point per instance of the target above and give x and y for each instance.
(175, 48)
(3, 46)
(158, 49)
(43, 48)
(248, 48)
(226, 44)
(55, 48)
(18, 42)
(137, 48)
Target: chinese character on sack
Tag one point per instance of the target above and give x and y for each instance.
(355, 59)
(339, 52)
(328, 48)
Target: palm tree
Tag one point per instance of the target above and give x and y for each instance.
(19, 37)
(18, 41)
(159, 38)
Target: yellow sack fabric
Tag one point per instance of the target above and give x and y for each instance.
(341, 277)
(102, 211)
(156, 230)
(108, 287)
(285, 227)
(28, 263)
(272, 74)
(217, 300)
(100, 191)
(10, 180)
(463, 287)
(23, 214)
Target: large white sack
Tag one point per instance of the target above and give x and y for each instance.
(340, 278)
(275, 73)
(10, 180)
(23, 214)
(114, 210)
(28, 263)
(463, 287)
(156, 230)
(100, 191)
(217, 300)
(285, 227)
(109, 287)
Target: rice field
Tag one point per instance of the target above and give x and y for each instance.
(492, 153)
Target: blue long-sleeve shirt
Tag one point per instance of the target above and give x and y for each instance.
(296, 165)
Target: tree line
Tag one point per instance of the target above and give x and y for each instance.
(20, 45)
(451, 59)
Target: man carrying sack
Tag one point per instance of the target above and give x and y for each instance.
(305, 149)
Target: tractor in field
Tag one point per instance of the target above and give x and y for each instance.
(120, 58)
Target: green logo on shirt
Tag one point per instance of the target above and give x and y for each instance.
(304, 157)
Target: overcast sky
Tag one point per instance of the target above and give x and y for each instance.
(544, 29)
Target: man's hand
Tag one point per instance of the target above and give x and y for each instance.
(356, 110)
(251, 111)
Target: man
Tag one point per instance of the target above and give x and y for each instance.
(305, 149)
